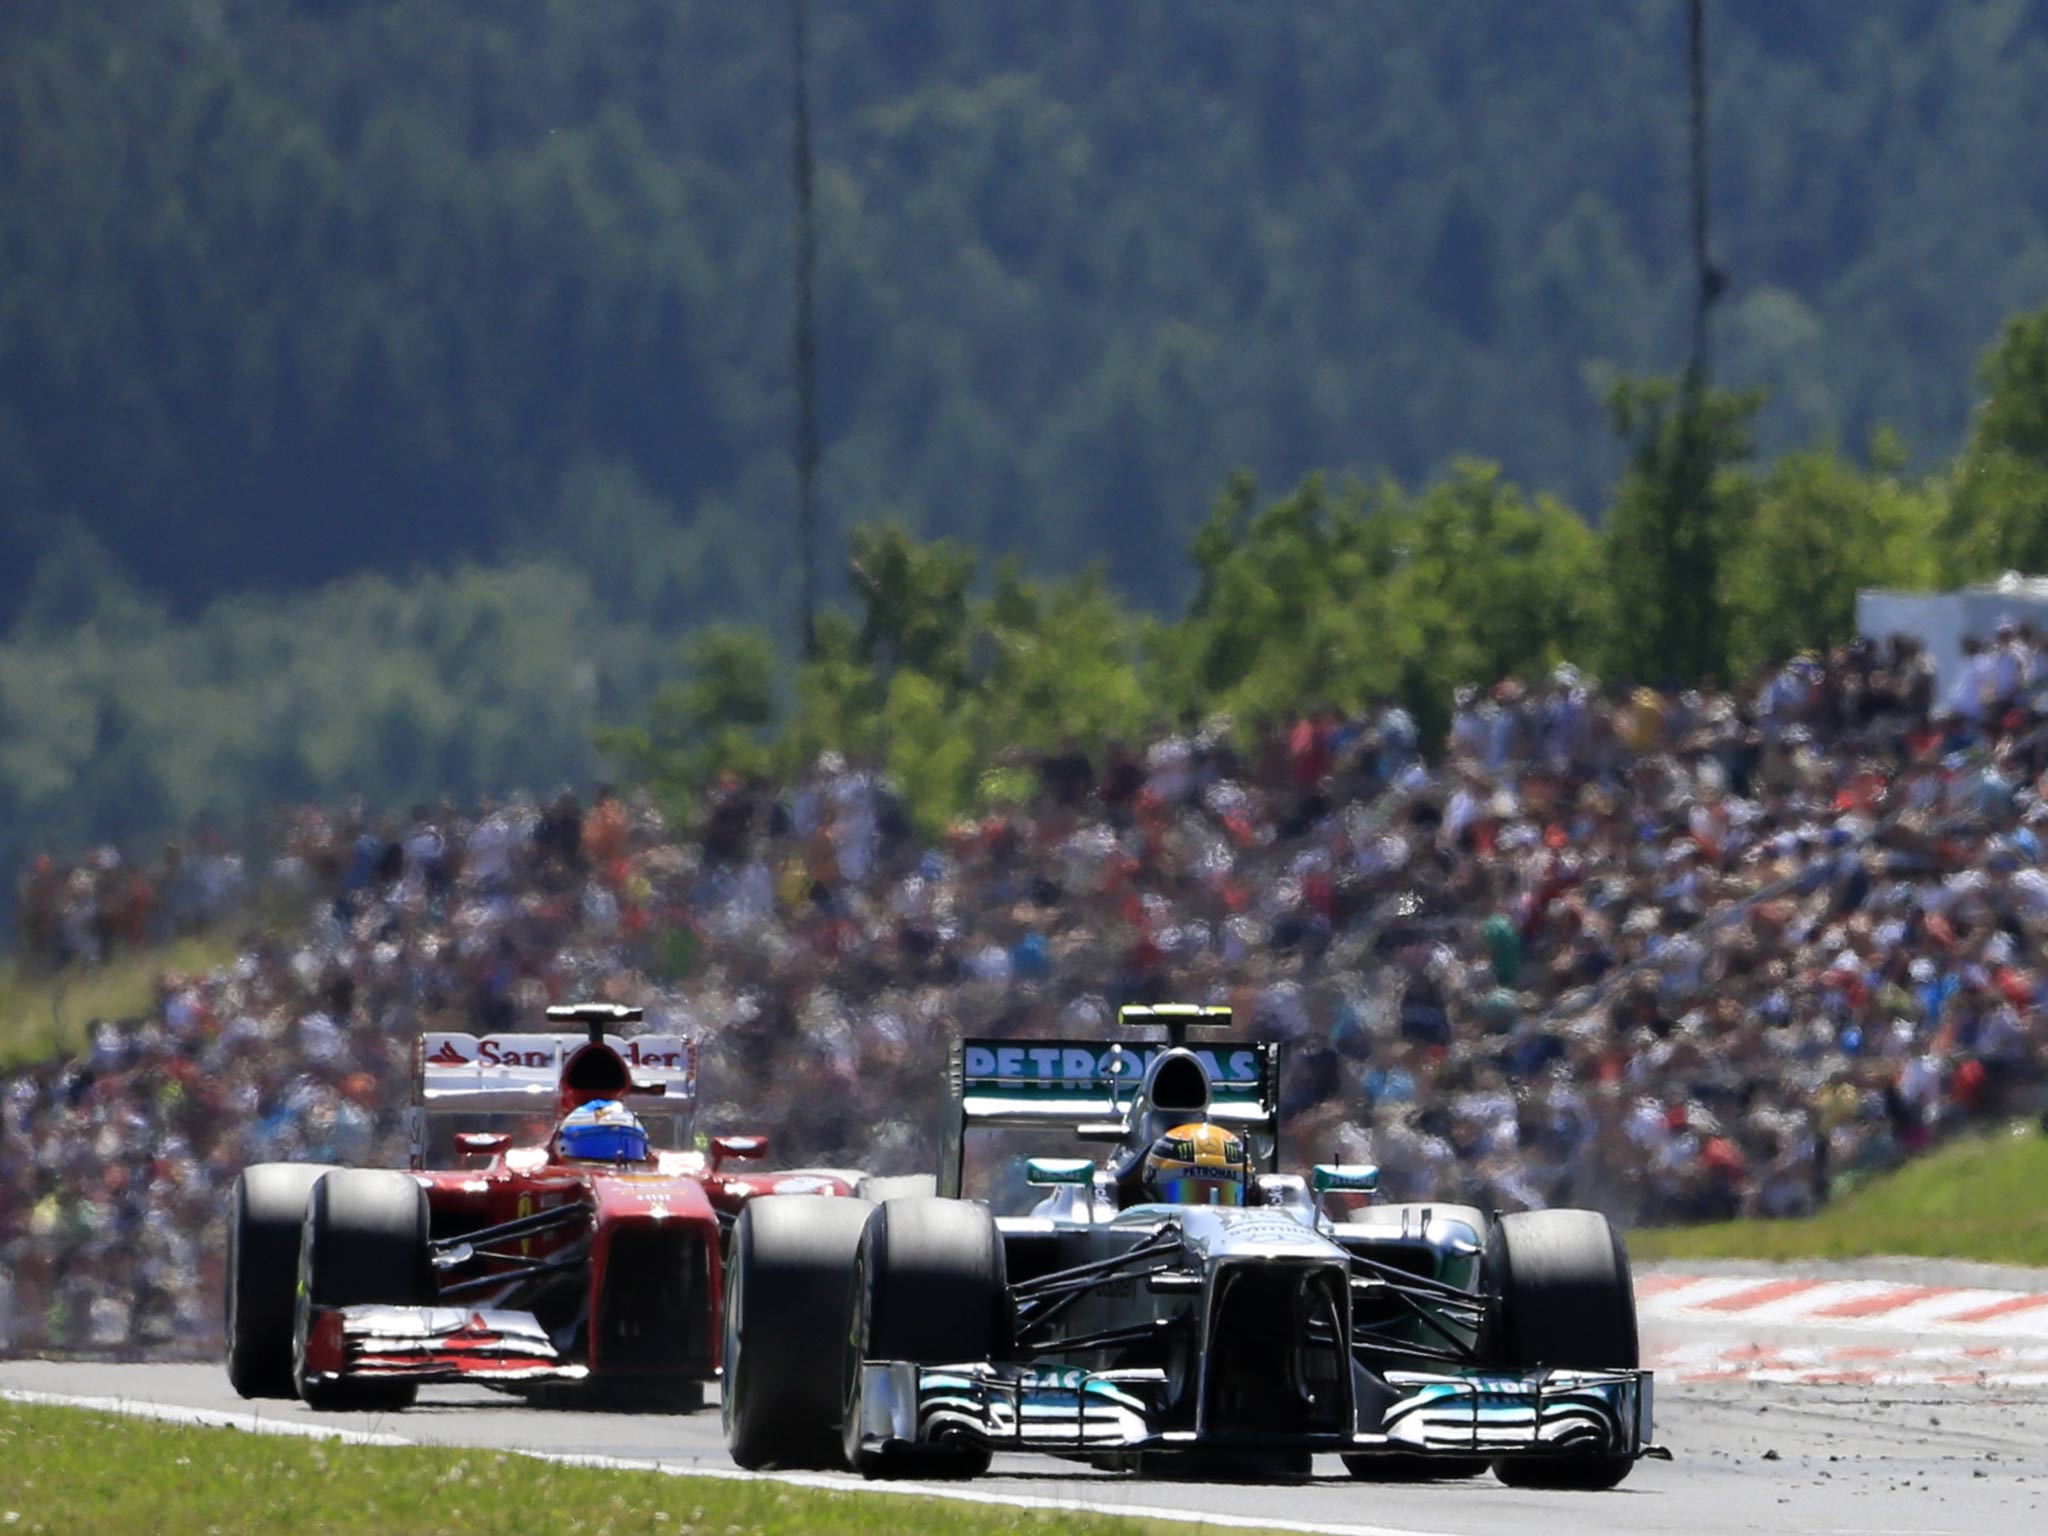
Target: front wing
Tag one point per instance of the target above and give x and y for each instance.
(430, 1344)
(1020, 1408)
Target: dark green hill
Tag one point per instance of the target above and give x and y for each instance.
(288, 291)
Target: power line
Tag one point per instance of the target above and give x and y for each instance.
(1711, 278)
(806, 346)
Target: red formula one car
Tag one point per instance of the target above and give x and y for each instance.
(588, 1260)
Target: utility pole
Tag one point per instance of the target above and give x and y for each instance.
(806, 345)
(1711, 279)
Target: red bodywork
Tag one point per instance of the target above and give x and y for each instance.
(611, 1273)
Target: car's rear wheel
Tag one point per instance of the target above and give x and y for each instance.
(929, 1287)
(1565, 1299)
(875, 1188)
(266, 1214)
(788, 1304)
(365, 1243)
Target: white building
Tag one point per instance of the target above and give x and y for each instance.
(1941, 620)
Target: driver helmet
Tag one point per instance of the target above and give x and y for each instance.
(1198, 1164)
(602, 1131)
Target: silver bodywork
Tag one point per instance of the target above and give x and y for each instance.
(1096, 1405)
(1274, 1326)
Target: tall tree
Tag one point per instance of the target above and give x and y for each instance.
(1682, 503)
(1822, 528)
(1999, 520)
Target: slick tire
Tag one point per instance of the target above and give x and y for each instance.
(1564, 1298)
(365, 1242)
(788, 1306)
(930, 1287)
(266, 1214)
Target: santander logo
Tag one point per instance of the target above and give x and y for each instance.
(495, 1053)
(673, 1061)
(669, 1055)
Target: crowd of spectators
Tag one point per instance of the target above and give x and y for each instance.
(1675, 955)
(85, 912)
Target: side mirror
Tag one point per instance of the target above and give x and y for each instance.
(1051, 1172)
(725, 1149)
(482, 1143)
(1344, 1179)
(1113, 1131)
(1119, 1068)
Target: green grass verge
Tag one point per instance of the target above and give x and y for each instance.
(1985, 1198)
(43, 1017)
(64, 1471)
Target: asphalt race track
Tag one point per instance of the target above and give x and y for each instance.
(1832, 1400)
(1749, 1458)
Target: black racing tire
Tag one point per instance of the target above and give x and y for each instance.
(931, 1287)
(1564, 1298)
(365, 1243)
(876, 1188)
(1400, 1467)
(788, 1307)
(266, 1214)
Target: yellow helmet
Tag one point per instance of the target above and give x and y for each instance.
(1198, 1164)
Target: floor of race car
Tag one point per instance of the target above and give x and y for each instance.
(1751, 1457)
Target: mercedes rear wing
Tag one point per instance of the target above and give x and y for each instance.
(1089, 1087)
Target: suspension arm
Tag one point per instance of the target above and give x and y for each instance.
(1108, 1338)
(1081, 1276)
(522, 1226)
(504, 1277)
(1376, 1346)
(1409, 1283)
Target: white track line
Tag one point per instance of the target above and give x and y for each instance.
(253, 1423)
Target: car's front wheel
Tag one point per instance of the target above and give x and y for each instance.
(787, 1306)
(929, 1287)
(1564, 1299)
(365, 1242)
(266, 1214)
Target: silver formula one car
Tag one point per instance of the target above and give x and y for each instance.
(1230, 1338)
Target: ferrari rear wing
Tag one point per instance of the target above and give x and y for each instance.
(455, 1073)
(514, 1072)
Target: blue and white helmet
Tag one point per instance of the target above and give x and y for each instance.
(602, 1131)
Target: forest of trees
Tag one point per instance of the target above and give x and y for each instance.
(390, 390)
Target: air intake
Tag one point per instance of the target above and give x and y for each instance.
(1177, 1084)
